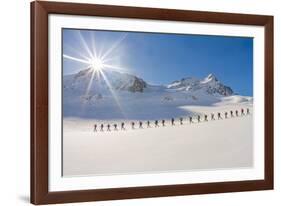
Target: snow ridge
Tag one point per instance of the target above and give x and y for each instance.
(210, 84)
(116, 95)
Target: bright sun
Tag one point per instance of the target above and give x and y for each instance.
(98, 61)
(97, 64)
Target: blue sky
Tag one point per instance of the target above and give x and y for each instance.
(163, 58)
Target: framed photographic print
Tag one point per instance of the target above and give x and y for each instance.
(133, 102)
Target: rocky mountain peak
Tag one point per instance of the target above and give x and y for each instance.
(211, 77)
(116, 80)
(210, 85)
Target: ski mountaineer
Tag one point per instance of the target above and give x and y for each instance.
(225, 115)
(212, 116)
(190, 120)
(115, 127)
(163, 123)
(140, 124)
(95, 127)
(101, 127)
(133, 125)
(156, 123)
(219, 115)
(148, 124)
(181, 119)
(248, 111)
(198, 118)
(206, 118)
(173, 121)
(108, 127)
(122, 126)
(231, 113)
(236, 112)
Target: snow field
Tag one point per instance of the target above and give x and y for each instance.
(208, 145)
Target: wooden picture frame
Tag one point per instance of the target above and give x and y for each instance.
(40, 193)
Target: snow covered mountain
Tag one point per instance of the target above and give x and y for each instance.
(119, 95)
(127, 82)
(210, 85)
(117, 80)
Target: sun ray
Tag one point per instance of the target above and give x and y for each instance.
(113, 67)
(98, 63)
(114, 58)
(90, 82)
(98, 76)
(112, 92)
(85, 68)
(100, 51)
(114, 46)
(85, 45)
(93, 45)
(78, 53)
(75, 59)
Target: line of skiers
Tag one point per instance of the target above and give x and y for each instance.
(156, 123)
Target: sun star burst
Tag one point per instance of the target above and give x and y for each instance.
(97, 62)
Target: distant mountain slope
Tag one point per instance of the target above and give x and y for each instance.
(210, 85)
(118, 81)
(124, 96)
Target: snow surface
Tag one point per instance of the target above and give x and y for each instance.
(208, 145)
(218, 144)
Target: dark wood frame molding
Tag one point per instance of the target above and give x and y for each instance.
(39, 102)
